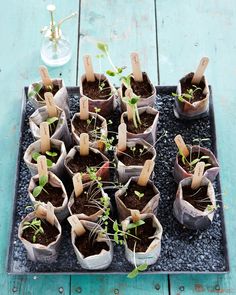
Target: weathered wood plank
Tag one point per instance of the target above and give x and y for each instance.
(19, 60)
(187, 32)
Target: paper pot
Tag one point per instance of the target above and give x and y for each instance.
(103, 171)
(150, 207)
(93, 140)
(61, 97)
(195, 110)
(106, 105)
(125, 172)
(94, 217)
(61, 132)
(153, 251)
(38, 252)
(60, 212)
(93, 262)
(211, 173)
(57, 168)
(187, 214)
(150, 133)
(143, 101)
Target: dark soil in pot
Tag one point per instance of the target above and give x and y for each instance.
(51, 194)
(197, 198)
(132, 201)
(81, 126)
(88, 246)
(143, 89)
(80, 163)
(91, 89)
(54, 90)
(186, 84)
(53, 159)
(142, 232)
(146, 120)
(129, 157)
(194, 156)
(49, 236)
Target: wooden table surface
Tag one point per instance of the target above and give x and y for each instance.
(171, 37)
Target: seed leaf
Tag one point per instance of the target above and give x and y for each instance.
(37, 191)
(43, 180)
(103, 47)
(133, 273)
(142, 267)
(35, 156)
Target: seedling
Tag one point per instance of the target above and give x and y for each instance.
(132, 101)
(189, 95)
(35, 92)
(139, 195)
(43, 180)
(36, 225)
(35, 156)
(52, 122)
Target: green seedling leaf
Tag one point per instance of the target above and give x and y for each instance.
(43, 180)
(135, 224)
(110, 73)
(142, 267)
(51, 120)
(37, 191)
(103, 47)
(116, 238)
(37, 87)
(133, 274)
(49, 163)
(195, 161)
(35, 156)
(204, 157)
(115, 226)
(51, 154)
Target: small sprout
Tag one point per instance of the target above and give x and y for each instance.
(35, 224)
(35, 91)
(135, 224)
(51, 154)
(103, 47)
(35, 156)
(133, 149)
(97, 110)
(43, 180)
(189, 95)
(139, 195)
(136, 271)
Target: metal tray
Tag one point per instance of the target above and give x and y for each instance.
(183, 250)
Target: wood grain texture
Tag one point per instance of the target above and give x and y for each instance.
(186, 33)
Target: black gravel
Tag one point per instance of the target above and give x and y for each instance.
(183, 250)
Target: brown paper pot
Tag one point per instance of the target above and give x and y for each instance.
(93, 142)
(150, 207)
(103, 171)
(37, 252)
(153, 251)
(106, 105)
(94, 217)
(125, 172)
(61, 132)
(186, 110)
(186, 213)
(143, 101)
(210, 173)
(150, 133)
(61, 97)
(93, 262)
(60, 212)
(57, 168)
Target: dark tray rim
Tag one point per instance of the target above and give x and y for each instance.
(104, 272)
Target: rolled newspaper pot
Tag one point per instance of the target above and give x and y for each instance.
(37, 252)
(106, 106)
(57, 168)
(60, 97)
(152, 253)
(97, 261)
(61, 211)
(124, 171)
(149, 134)
(149, 207)
(195, 208)
(210, 171)
(61, 131)
(197, 109)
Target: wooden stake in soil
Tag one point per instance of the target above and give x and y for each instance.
(197, 176)
(77, 183)
(136, 67)
(42, 166)
(76, 225)
(44, 137)
(50, 214)
(122, 137)
(84, 108)
(181, 145)
(200, 71)
(88, 67)
(41, 212)
(51, 106)
(129, 93)
(84, 144)
(146, 172)
(135, 214)
(47, 82)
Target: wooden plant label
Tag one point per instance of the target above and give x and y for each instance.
(88, 67)
(136, 67)
(135, 214)
(47, 82)
(50, 217)
(84, 108)
(76, 225)
(146, 172)
(51, 106)
(197, 77)
(129, 93)
(42, 166)
(44, 137)
(181, 145)
(77, 183)
(197, 176)
(41, 212)
(122, 137)
(84, 144)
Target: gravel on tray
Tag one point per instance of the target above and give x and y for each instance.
(183, 250)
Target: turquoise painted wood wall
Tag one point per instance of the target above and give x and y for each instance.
(170, 36)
